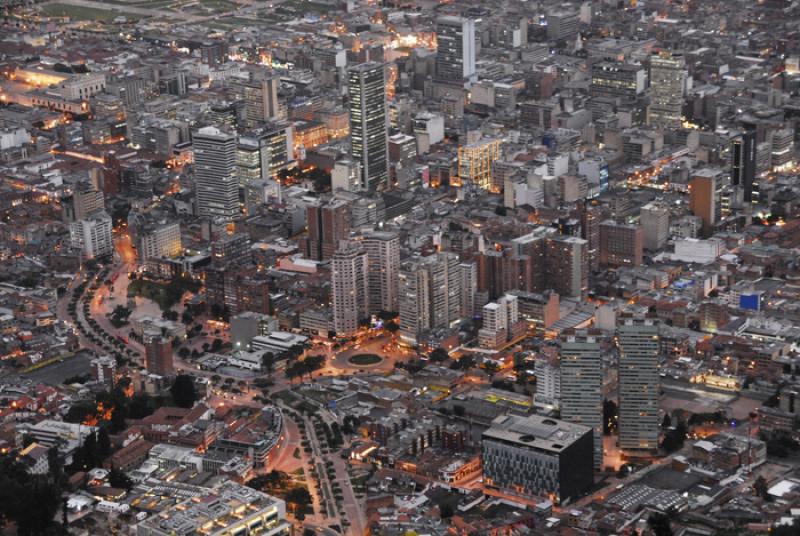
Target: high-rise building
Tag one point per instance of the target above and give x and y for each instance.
(667, 82)
(783, 150)
(161, 239)
(743, 163)
(617, 80)
(103, 370)
(567, 265)
(262, 153)
(383, 259)
(469, 288)
(639, 384)
(475, 161)
(655, 226)
(346, 175)
(328, 224)
(85, 200)
(620, 245)
(455, 52)
(582, 386)
(501, 322)
(537, 456)
(261, 98)
(368, 123)
(349, 288)
(231, 250)
(703, 198)
(590, 231)
(93, 236)
(158, 354)
(215, 174)
(430, 294)
(562, 24)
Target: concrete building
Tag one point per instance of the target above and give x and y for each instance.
(537, 456)
(568, 265)
(261, 98)
(654, 220)
(383, 267)
(349, 289)
(639, 385)
(582, 386)
(85, 200)
(346, 175)
(620, 245)
(215, 174)
(158, 240)
(430, 295)
(624, 81)
(103, 369)
(158, 354)
(229, 509)
(667, 84)
(328, 224)
(703, 198)
(93, 236)
(455, 52)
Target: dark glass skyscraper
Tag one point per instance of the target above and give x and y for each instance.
(368, 131)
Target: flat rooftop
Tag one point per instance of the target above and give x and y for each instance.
(535, 431)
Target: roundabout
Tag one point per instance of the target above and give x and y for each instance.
(364, 360)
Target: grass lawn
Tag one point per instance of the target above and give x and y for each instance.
(85, 13)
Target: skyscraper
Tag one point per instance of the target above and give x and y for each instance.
(383, 256)
(430, 294)
(639, 384)
(703, 198)
(215, 174)
(582, 386)
(743, 163)
(568, 265)
(455, 52)
(368, 123)
(667, 79)
(328, 224)
(261, 98)
(349, 289)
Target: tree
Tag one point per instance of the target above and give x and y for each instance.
(268, 362)
(610, 416)
(103, 442)
(761, 488)
(298, 497)
(184, 353)
(439, 354)
(216, 345)
(183, 391)
(445, 511)
(674, 439)
(118, 479)
(392, 327)
(667, 422)
(659, 524)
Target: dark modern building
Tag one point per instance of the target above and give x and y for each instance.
(537, 456)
